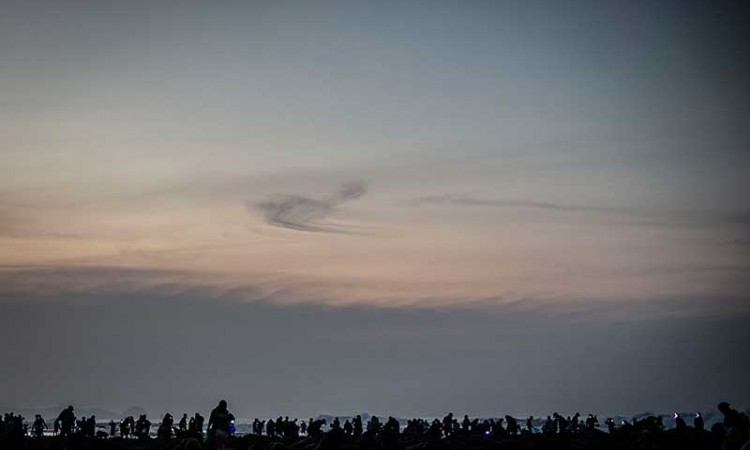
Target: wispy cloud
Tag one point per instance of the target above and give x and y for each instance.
(637, 216)
(468, 200)
(297, 212)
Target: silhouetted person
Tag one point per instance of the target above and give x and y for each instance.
(475, 428)
(448, 424)
(294, 428)
(484, 428)
(165, 428)
(530, 424)
(183, 425)
(549, 426)
(271, 428)
(561, 424)
(392, 426)
(112, 428)
(435, 431)
(220, 421)
(38, 426)
(282, 426)
(125, 428)
(465, 424)
(142, 427)
(373, 425)
(198, 423)
(497, 428)
(698, 422)
(610, 423)
(348, 428)
(90, 427)
(67, 420)
(357, 424)
(575, 423)
(735, 426)
(679, 422)
(314, 428)
(129, 426)
(512, 425)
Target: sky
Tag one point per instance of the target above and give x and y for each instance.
(396, 207)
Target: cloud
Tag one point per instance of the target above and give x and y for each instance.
(153, 345)
(297, 212)
(467, 200)
(25, 284)
(143, 331)
(636, 216)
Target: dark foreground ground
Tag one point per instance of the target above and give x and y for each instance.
(589, 439)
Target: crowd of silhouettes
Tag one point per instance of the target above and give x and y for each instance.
(733, 432)
(14, 425)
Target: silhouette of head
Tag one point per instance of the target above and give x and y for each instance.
(223, 404)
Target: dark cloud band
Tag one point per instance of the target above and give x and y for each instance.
(300, 213)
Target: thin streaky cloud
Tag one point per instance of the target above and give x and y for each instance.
(22, 284)
(642, 216)
(468, 200)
